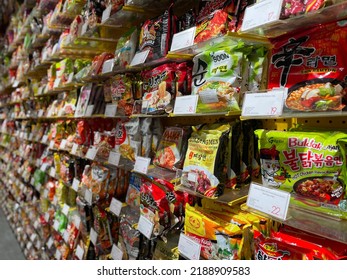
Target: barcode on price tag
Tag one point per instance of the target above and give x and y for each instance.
(188, 247)
(74, 149)
(107, 67)
(142, 164)
(116, 206)
(183, 39)
(114, 158)
(139, 58)
(93, 236)
(261, 13)
(265, 104)
(270, 201)
(116, 253)
(75, 184)
(111, 110)
(145, 226)
(79, 252)
(89, 111)
(186, 104)
(91, 153)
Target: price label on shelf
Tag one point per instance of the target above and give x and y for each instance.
(186, 105)
(183, 39)
(57, 255)
(84, 28)
(188, 247)
(261, 13)
(56, 82)
(56, 225)
(77, 221)
(74, 149)
(93, 236)
(114, 158)
(47, 217)
(116, 253)
(44, 138)
(91, 153)
(111, 110)
(75, 184)
(142, 164)
(263, 104)
(70, 79)
(107, 67)
(65, 209)
(32, 181)
(33, 236)
(106, 14)
(89, 110)
(116, 206)
(15, 83)
(51, 144)
(40, 113)
(270, 201)
(36, 224)
(139, 58)
(45, 193)
(31, 136)
(62, 145)
(38, 187)
(145, 226)
(55, 200)
(66, 236)
(50, 243)
(79, 252)
(208, 96)
(44, 167)
(88, 196)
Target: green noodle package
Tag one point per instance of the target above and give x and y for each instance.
(311, 165)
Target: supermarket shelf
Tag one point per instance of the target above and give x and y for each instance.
(305, 115)
(279, 27)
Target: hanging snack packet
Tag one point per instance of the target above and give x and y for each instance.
(310, 165)
(312, 68)
(172, 148)
(217, 80)
(205, 164)
(125, 50)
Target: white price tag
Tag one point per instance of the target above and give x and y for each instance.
(33, 236)
(84, 28)
(31, 136)
(47, 217)
(270, 201)
(74, 149)
(145, 226)
(261, 13)
(44, 167)
(114, 158)
(77, 221)
(65, 209)
(51, 144)
(88, 196)
(116, 253)
(57, 255)
(116, 206)
(44, 138)
(75, 184)
(183, 39)
(56, 82)
(192, 177)
(263, 104)
(62, 145)
(70, 79)
(55, 200)
(142, 164)
(106, 14)
(139, 58)
(208, 96)
(45, 193)
(21, 135)
(15, 84)
(52, 172)
(36, 224)
(188, 247)
(40, 113)
(50, 242)
(91, 153)
(79, 252)
(66, 236)
(93, 236)
(56, 225)
(111, 110)
(108, 66)
(89, 111)
(186, 104)
(32, 181)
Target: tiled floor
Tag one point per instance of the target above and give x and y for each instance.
(9, 247)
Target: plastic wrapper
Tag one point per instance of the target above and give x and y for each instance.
(83, 100)
(312, 69)
(217, 79)
(126, 48)
(101, 226)
(309, 164)
(133, 193)
(98, 62)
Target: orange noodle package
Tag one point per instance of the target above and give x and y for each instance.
(312, 65)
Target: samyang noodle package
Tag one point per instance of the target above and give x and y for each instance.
(311, 165)
(313, 66)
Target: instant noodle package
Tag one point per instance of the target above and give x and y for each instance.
(311, 165)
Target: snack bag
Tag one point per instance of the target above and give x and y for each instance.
(125, 50)
(309, 164)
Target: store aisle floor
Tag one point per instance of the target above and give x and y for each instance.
(9, 247)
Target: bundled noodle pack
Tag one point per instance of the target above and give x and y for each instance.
(311, 165)
(311, 67)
